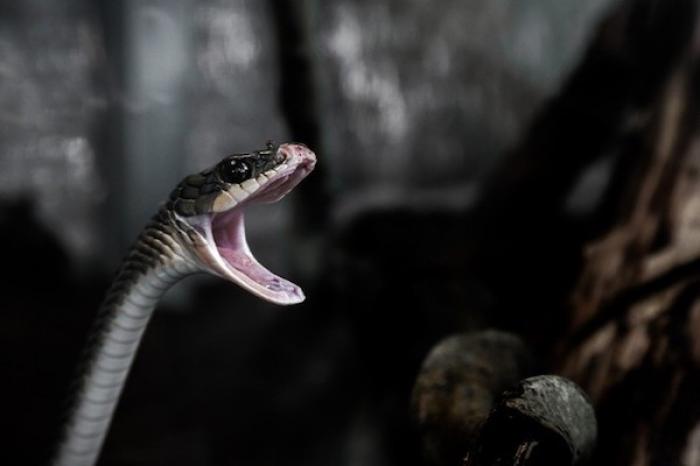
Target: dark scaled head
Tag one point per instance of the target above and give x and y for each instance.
(233, 179)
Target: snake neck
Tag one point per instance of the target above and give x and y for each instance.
(154, 264)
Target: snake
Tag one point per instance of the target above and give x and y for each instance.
(199, 229)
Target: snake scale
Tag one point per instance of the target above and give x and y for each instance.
(200, 228)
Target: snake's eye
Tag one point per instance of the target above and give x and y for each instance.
(234, 171)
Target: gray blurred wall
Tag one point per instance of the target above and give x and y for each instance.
(105, 105)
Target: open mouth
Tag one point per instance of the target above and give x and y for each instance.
(228, 252)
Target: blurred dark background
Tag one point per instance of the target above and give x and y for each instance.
(468, 151)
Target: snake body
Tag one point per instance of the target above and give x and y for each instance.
(199, 229)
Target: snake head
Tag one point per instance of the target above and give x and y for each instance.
(212, 203)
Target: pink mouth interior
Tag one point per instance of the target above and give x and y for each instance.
(228, 231)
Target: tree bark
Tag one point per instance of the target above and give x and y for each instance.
(632, 339)
(627, 278)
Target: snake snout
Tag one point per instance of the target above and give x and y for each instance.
(297, 153)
